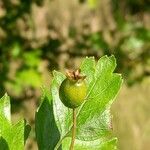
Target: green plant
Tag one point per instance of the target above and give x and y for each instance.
(53, 121)
(90, 127)
(12, 136)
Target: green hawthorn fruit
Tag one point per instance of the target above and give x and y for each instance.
(72, 92)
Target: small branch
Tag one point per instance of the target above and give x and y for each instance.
(73, 133)
(73, 130)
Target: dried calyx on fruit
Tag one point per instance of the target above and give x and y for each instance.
(73, 89)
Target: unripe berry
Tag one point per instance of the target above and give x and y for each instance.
(73, 90)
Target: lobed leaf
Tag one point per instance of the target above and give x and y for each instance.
(93, 121)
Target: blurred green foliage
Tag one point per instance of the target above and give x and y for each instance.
(23, 47)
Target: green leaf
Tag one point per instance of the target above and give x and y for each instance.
(47, 133)
(27, 129)
(109, 145)
(16, 136)
(95, 128)
(93, 117)
(88, 64)
(5, 107)
(5, 122)
(11, 136)
(101, 93)
(3, 144)
(5, 126)
(91, 145)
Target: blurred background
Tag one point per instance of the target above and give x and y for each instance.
(38, 36)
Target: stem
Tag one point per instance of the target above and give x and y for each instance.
(58, 144)
(73, 130)
(60, 141)
(73, 133)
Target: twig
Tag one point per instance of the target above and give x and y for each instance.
(73, 130)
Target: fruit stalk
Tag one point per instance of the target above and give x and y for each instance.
(73, 130)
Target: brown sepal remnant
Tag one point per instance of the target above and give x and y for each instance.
(75, 75)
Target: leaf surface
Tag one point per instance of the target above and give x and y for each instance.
(5, 107)
(11, 136)
(91, 145)
(47, 133)
(93, 121)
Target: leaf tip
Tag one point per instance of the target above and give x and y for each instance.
(54, 72)
(5, 96)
